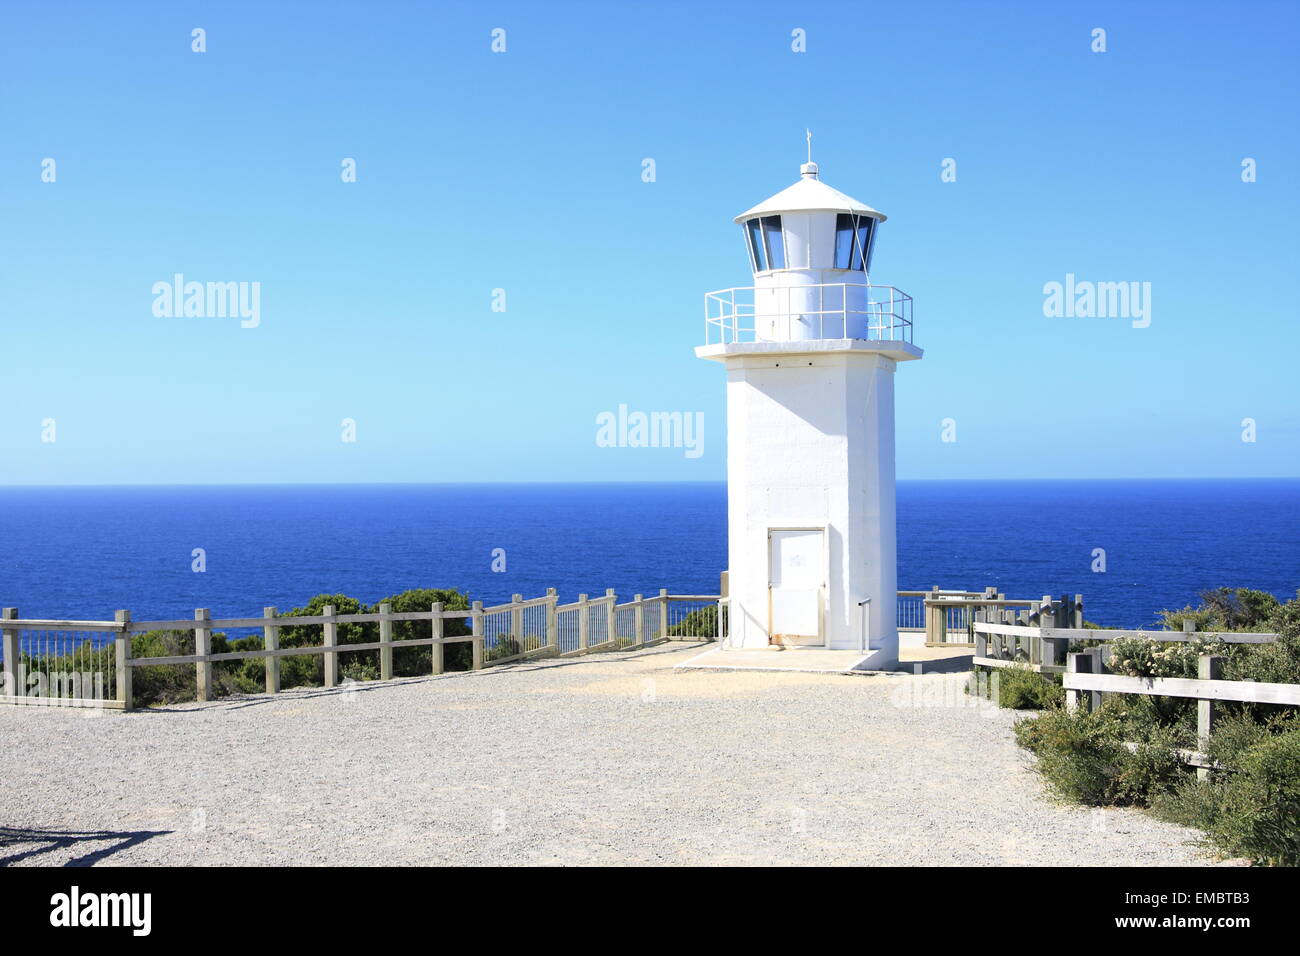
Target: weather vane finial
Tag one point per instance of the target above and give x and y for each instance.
(808, 133)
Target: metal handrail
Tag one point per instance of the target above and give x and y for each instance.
(767, 313)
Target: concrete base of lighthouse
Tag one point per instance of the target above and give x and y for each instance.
(811, 505)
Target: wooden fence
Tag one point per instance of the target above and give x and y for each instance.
(1085, 674)
(1044, 647)
(1084, 684)
(948, 618)
(89, 663)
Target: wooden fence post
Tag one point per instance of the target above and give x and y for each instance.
(331, 639)
(584, 622)
(611, 621)
(436, 631)
(122, 659)
(663, 615)
(13, 655)
(1044, 608)
(1100, 665)
(476, 629)
(1077, 664)
(639, 617)
(1208, 667)
(517, 621)
(271, 642)
(203, 647)
(936, 622)
(552, 622)
(386, 637)
(1054, 650)
(1076, 617)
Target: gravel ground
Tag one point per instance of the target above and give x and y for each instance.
(608, 759)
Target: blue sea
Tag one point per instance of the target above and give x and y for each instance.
(82, 552)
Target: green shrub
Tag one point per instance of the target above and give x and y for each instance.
(163, 683)
(1226, 609)
(1020, 688)
(172, 683)
(1260, 815)
(418, 661)
(177, 683)
(701, 623)
(1192, 803)
(1145, 657)
(358, 670)
(308, 670)
(1075, 756)
(1083, 758)
(507, 645)
(243, 677)
(1275, 663)
(1252, 809)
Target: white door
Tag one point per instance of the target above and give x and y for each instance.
(796, 580)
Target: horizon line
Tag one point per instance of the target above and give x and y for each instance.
(627, 481)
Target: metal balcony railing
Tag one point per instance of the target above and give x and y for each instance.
(792, 313)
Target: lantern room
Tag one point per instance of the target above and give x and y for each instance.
(811, 227)
(810, 249)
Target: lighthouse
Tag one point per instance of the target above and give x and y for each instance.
(810, 350)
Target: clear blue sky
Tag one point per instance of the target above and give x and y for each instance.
(523, 171)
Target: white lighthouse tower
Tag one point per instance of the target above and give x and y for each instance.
(810, 350)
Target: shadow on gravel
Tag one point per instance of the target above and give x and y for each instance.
(294, 693)
(17, 845)
(949, 665)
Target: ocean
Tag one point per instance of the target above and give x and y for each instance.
(82, 552)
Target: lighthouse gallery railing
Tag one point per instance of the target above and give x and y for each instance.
(831, 310)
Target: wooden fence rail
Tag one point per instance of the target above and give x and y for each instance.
(948, 617)
(499, 634)
(1046, 649)
(1084, 685)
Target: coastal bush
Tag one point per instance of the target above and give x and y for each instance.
(308, 670)
(1144, 657)
(1252, 808)
(162, 683)
(1020, 688)
(507, 645)
(1083, 758)
(1126, 753)
(1227, 609)
(358, 670)
(417, 661)
(1260, 815)
(177, 683)
(237, 677)
(701, 623)
(1275, 663)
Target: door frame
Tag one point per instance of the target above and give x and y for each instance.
(821, 591)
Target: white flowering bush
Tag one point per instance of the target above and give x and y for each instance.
(1143, 657)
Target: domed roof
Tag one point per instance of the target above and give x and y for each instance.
(810, 194)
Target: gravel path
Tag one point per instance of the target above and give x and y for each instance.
(609, 759)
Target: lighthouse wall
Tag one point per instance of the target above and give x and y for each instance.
(810, 444)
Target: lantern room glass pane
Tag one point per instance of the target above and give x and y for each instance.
(755, 245)
(861, 247)
(843, 240)
(775, 242)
